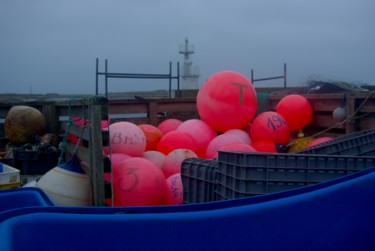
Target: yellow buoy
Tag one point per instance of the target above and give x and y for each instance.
(300, 142)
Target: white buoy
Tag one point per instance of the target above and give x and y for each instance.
(66, 185)
(339, 114)
(30, 184)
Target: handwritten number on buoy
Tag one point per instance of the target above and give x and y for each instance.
(116, 138)
(240, 86)
(276, 122)
(130, 181)
(174, 187)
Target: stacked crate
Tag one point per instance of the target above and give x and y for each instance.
(241, 174)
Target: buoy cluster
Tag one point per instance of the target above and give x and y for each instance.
(149, 171)
(146, 159)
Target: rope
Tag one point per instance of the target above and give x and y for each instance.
(350, 118)
(69, 125)
(263, 102)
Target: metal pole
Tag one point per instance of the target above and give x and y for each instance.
(178, 75)
(170, 79)
(284, 75)
(97, 69)
(252, 76)
(106, 78)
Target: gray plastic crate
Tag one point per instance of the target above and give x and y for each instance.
(360, 143)
(199, 180)
(242, 174)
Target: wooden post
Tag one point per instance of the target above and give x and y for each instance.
(96, 150)
(350, 108)
(51, 117)
(153, 113)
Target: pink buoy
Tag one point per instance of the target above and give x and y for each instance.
(319, 141)
(201, 132)
(264, 146)
(169, 125)
(153, 136)
(174, 191)
(241, 147)
(155, 157)
(270, 126)
(172, 162)
(138, 182)
(236, 147)
(219, 142)
(176, 140)
(296, 110)
(128, 138)
(242, 134)
(116, 158)
(227, 100)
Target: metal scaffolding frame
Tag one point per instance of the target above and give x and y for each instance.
(107, 75)
(270, 78)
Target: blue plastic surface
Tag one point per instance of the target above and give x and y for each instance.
(23, 197)
(334, 215)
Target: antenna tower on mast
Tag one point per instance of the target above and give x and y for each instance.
(190, 75)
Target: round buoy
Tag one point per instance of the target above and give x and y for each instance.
(239, 147)
(243, 135)
(116, 158)
(201, 132)
(320, 140)
(296, 110)
(264, 146)
(155, 157)
(172, 162)
(138, 182)
(219, 142)
(174, 191)
(169, 125)
(23, 124)
(128, 138)
(339, 114)
(227, 100)
(66, 185)
(153, 135)
(270, 126)
(176, 140)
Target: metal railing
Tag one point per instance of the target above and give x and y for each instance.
(107, 75)
(270, 78)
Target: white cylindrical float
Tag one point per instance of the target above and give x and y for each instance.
(66, 185)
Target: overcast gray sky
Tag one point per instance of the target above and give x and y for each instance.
(50, 46)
